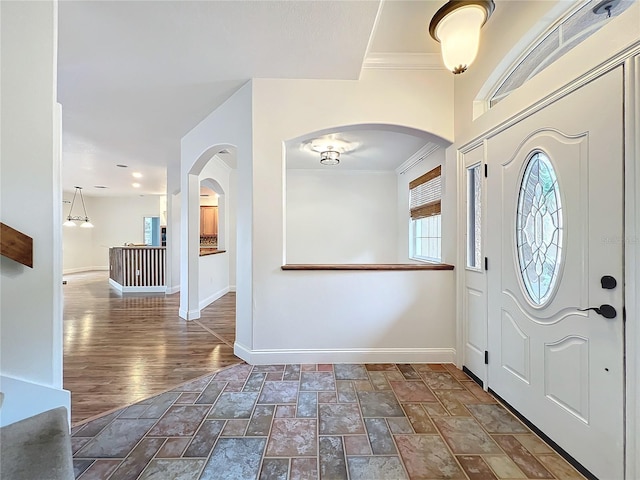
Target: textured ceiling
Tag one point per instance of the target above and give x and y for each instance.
(134, 77)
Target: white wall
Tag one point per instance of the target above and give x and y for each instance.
(334, 326)
(173, 228)
(77, 243)
(210, 201)
(116, 220)
(213, 278)
(340, 216)
(30, 201)
(232, 204)
(228, 127)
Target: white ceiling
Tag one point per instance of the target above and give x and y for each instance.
(371, 148)
(134, 77)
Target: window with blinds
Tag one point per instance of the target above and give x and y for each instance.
(425, 193)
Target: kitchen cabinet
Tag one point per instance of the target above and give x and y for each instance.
(208, 221)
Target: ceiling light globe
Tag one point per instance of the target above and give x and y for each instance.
(69, 223)
(457, 27)
(86, 224)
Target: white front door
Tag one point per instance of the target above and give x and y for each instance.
(555, 228)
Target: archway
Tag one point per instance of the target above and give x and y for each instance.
(212, 170)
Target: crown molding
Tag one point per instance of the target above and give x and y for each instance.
(417, 157)
(404, 61)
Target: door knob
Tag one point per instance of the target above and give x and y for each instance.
(608, 282)
(607, 311)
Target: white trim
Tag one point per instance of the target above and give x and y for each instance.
(172, 290)
(527, 43)
(189, 315)
(417, 157)
(632, 270)
(351, 355)
(232, 288)
(57, 331)
(23, 399)
(213, 297)
(146, 289)
(404, 61)
(84, 269)
(461, 321)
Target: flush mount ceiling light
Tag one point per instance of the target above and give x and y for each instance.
(328, 142)
(456, 25)
(330, 157)
(72, 219)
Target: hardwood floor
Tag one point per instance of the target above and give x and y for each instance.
(121, 349)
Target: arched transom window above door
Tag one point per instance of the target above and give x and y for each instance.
(576, 25)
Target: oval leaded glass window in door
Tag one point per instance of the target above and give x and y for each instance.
(539, 228)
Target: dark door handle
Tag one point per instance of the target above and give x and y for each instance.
(607, 311)
(608, 282)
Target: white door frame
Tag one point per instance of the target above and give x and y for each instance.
(630, 59)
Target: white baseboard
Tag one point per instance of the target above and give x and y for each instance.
(355, 355)
(232, 288)
(172, 290)
(148, 289)
(67, 271)
(212, 298)
(24, 399)
(189, 315)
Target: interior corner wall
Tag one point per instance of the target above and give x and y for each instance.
(333, 323)
(340, 216)
(229, 125)
(30, 201)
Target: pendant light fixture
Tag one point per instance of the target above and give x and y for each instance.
(71, 219)
(456, 25)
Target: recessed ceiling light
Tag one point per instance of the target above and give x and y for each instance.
(137, 174)
(121, 165)
(99, 186)
(135, 185)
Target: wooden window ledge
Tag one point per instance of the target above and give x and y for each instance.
(368, 266)
(210, 251)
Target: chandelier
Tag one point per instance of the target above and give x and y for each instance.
(72, 219)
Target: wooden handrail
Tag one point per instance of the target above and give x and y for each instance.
(16, 245)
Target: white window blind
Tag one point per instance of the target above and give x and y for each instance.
(425, 193)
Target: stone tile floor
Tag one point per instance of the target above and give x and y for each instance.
(342, 421)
